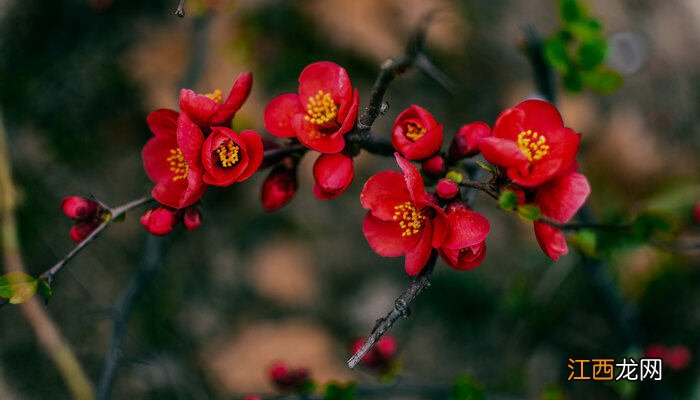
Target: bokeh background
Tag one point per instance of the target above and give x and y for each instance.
(78, 77)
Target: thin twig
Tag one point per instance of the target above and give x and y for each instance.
(139, 280)
(180, 10)
(420, 282)
(482, 186)
(576, 226)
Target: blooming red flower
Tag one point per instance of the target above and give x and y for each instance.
(531, 143)
(172, 159)
(279, 187)
(333, 174)
(381, 355)
(416, 135)
(559, 200)
(466, 141)
(80, 208)
(465, 245)
(160, 220)
(324, 109)
(83, 229)
(228, 157)
(402, 219)
(209, 109)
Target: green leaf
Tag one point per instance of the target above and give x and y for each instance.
(529, 212)
(18, 287)
(556, 54)
(584, 241)
(455, 176)
(592, 52)
(340, 391)
(603, 80)
(508, 200)
(465, 388)
(654, 222)
(485, 166)
(45, 290)
(586, 29)
(572, 10)
(572, 81)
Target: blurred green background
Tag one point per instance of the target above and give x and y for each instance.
(78, 77)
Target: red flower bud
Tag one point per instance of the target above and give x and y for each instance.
(81, 230)
(466, 141)
(696, 212)
(290, 379)
(159, 220)
(434, 166)
(447, 189)
(79, 208)
(333, 174)
(416, 135)
(676, 358)
(381, 355)
(279, 188)
(192, 218)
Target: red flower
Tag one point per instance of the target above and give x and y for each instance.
(290, 379)
(321, 113)
(402, 219)
(333, 174)
(229, 157)
(191, 218)
(465, 246)
(381, 355)
(466, 141)
(531, 143)
(80, 208)
(416, 135)
(559, 200)
(279, 187)
(160, 220)
(676, 358)
(447, 189)
(208, 109)
(172, 159)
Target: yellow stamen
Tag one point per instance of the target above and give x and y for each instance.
(533, 145)
(321, 109)
(215, 95)
(414, 132)
(178, 165)
(410, 219)
(228, 154)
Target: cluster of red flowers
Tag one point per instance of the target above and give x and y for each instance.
(196, 148)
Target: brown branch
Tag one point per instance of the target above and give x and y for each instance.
(420, 282)
(47, 333)
(180, 10)
(482, 186)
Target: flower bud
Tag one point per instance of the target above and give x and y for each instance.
(447, 189)
(192, 218)
(466, 141)
(434, 166)
(333, 174)
(279, 188)
(290, 379)
(381, 355)
(159, 220)
(416, 134)
(79, 208)
(81, 230)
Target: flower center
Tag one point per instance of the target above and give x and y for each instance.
(410, 219)
(533, 145)
(178, 165)
(215, 95)
(228, 154)
(414, 131)
(321, 109)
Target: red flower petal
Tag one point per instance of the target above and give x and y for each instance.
(551, 240)
(503, 152)
(351, 117)
(540, 116)
(254, 151)
(189, 140)
(561, 198)
(199, 107)
(309, 135)
(413, 178)
(382, 192)
(215, 174)
(384, 237)
(163, 122)
(467, 228)
(333, 172)
(466, 141)
(154, 154)
(327, 77)
(279, 113)
(418, 256)
(236, 97)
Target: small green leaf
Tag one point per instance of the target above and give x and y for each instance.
(465, 388)
(654, 222)
(529, 212)
(340, 391)
(584, 241)
(508, 200)
(485, 166)
(603, 80)
(592, 52)
(572, 10)
(455, 176)
(45, 290)
(556, 54)
(572, 81)
(18, 287)
(585, 29)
